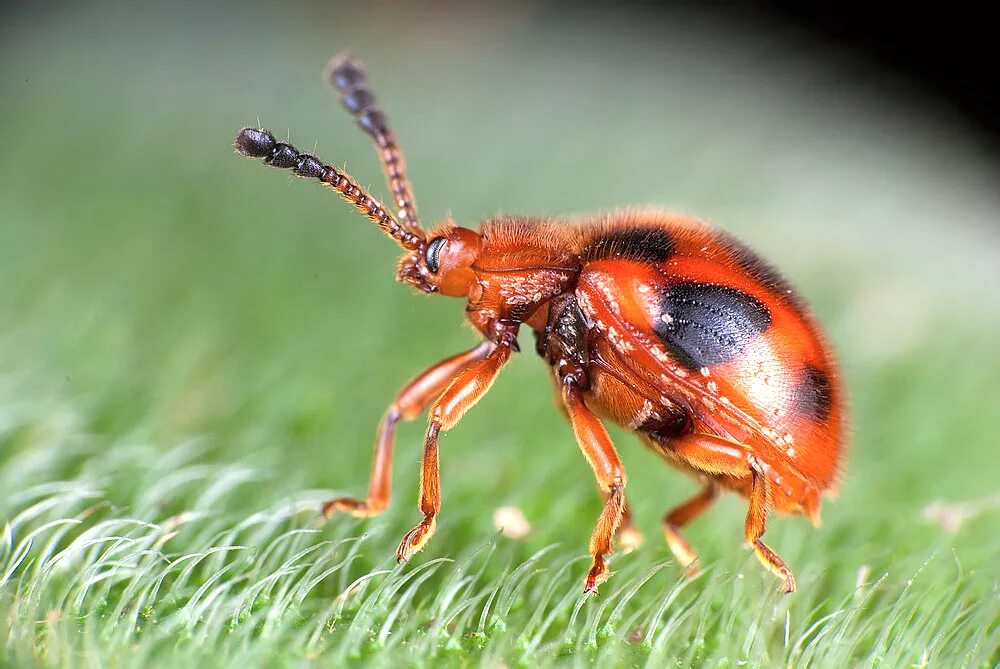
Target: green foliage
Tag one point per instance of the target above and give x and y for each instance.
(194, 350)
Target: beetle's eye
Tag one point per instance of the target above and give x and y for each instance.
(433, 251)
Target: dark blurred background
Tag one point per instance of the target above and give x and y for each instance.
(947, 54)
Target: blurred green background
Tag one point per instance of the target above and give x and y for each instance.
(166, 306)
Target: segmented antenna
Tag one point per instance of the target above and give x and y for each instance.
(254, 143)
(348, 77)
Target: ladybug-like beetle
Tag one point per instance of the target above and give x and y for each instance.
(668, 327)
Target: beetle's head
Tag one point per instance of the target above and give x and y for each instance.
(443, 261)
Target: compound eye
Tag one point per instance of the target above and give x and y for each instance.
(432, 253)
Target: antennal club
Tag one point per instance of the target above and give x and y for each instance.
(348, 77)
(255, 143)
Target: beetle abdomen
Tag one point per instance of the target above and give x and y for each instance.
(715, 330)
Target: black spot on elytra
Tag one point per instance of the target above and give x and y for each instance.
(642, 243)
(813, 394)
(702, 325)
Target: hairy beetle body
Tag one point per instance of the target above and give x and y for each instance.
(662, 324)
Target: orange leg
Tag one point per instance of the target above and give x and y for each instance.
(760, 503)
(410, 402)
(461, 395)
(715, 455)
(628, 537)
(610, 472)
(680, 516)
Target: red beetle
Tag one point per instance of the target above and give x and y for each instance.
(668, 327)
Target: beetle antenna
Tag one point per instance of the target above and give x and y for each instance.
(255, 143)
(348, 76)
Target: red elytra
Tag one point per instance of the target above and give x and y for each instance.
(660, 323)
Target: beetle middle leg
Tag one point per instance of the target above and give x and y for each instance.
(628, 537)
(409, 403)
(715, 455)
(459, 397)
(600, 452)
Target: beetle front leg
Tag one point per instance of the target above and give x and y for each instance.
(409, 403)
(460, 396)
(600, 452)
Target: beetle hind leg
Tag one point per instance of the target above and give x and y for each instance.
(722, 459)
(760, 504)
(680, 516)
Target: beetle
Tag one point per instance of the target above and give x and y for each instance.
(657, 322)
